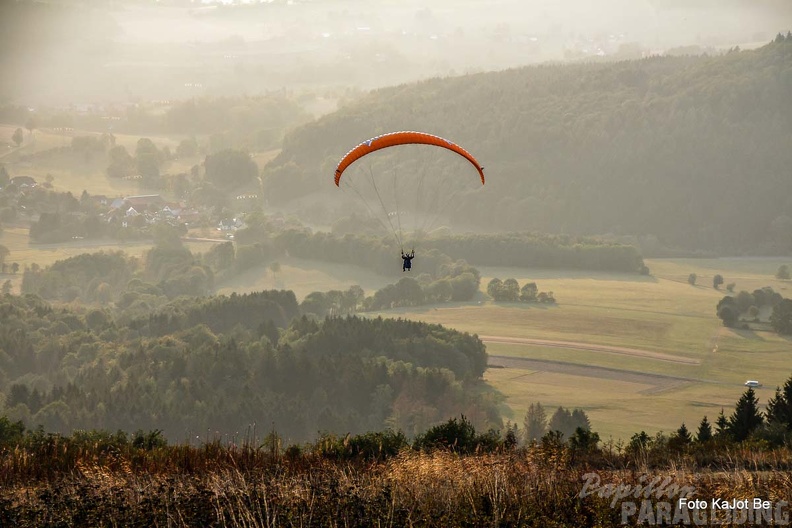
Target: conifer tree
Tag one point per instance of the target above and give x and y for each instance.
(722, 425)
(683, 434)
(746, 418)
(581, 420)
(561, 422)
(779, 408)
(704, 433)
(535, 422)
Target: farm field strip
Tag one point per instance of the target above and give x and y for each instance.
(540, 366)
(670, 335)
(596, 359)
(588, 346)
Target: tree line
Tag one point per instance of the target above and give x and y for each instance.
(509, 290)
(731, 309)
(509, 249)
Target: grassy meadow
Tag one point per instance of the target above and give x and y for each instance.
(303, 277)
(72, 173)
(624, 394)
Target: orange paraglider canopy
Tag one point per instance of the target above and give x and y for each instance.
(402, 138)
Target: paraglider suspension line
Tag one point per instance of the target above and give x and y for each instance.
(366, 204)
(385, 209)
(396, 196)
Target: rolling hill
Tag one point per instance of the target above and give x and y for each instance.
(692, 150)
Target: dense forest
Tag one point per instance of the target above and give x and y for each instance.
(226, 363)
(692, 150)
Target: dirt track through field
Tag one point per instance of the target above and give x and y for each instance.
(659, 356)
(657, 382)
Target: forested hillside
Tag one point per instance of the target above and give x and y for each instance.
(220, 365)
(694, 150)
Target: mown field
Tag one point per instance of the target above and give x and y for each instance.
(303, 277)
(624, 393)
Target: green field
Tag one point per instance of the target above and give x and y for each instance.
(76, 174)
(303, 277)
(660, 313)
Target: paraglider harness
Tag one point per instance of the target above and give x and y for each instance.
(407, 258)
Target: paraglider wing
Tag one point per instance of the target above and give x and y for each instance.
(402, 138)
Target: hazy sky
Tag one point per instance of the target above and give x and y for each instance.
(61, 53)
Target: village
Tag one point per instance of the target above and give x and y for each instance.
(59, 217)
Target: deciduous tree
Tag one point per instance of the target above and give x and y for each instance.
(727, 311)
(230, 168)
(528, 292)
(781, 318)
(18, 136)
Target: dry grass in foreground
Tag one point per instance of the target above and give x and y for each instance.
(60, 484)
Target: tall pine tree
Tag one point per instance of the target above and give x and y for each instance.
(747, 417)
(779, 408)
(704, 433)
(683, 434)
(535, 422)
(722, 425)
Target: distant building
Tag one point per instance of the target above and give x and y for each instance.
(100, 199)
(189, 216)
(230, 225)
(23, 181)
(146, 202)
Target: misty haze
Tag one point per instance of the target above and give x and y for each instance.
(326, 263)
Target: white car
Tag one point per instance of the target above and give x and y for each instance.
(752, 383)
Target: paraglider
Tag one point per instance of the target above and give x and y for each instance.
(392, 212)
(407, 260)
(402, 138)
